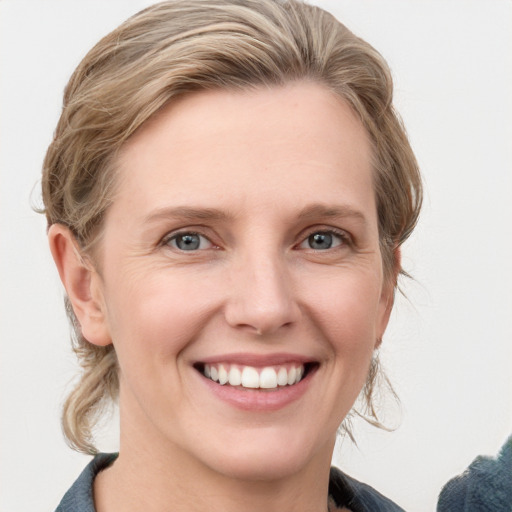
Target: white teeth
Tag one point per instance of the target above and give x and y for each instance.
(268, 378)
(235, 376)
(300, 373)
(250, 377)
(282, 377)
(223, 375)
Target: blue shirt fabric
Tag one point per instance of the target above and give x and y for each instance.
(485, 486)
(343, 490)
(79, 497)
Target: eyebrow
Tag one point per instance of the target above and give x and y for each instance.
(187, 213)
(325, 211)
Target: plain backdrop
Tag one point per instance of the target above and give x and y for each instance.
(448, 350)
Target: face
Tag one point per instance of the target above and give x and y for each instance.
(241, 279)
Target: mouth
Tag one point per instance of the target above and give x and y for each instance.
(265, 378)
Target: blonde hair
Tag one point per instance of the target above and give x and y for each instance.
(171, 49)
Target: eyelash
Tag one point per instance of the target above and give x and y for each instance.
(343, 236)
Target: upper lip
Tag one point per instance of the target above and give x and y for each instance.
(257, 360)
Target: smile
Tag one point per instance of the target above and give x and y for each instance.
(269, 377)
(257, 383)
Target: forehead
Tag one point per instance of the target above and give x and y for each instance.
(249, 148)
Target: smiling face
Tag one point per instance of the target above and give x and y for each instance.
(241, 279)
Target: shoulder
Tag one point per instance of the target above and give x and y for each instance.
(79, 497)
(357, 496)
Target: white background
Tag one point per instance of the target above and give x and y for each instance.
(448, 350)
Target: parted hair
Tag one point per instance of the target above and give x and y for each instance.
(172, 49)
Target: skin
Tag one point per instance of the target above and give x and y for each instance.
(276, 165)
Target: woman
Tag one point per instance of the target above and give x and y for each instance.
(227, 192)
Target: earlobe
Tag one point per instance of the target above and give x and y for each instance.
(82, 284)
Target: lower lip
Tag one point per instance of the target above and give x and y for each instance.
(257, 399)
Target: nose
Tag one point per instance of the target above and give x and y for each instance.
(262, 298)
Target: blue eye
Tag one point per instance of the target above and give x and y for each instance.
(189, 242)
(322, 240)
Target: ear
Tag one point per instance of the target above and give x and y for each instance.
(83, 285)
(387, 298)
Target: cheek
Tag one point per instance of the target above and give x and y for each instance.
(155, 315)
(347, 308)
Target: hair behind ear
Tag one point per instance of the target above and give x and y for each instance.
(98, 384)
(96, 389)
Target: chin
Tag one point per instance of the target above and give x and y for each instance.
(266, 457)
(260, 468)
